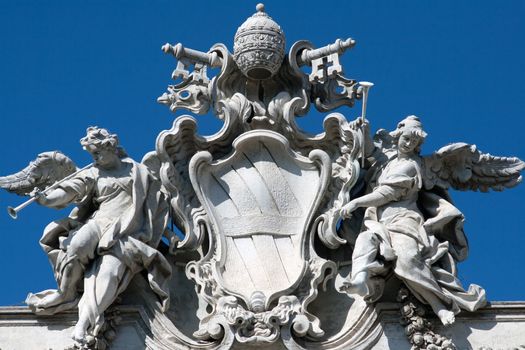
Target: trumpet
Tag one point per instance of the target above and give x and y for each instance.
(365, 85)
(13, 212)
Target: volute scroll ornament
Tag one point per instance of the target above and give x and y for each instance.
(262, 186)
(261, 234)
(258, 94)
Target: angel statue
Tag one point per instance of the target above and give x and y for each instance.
(111, 234)
(410, 225)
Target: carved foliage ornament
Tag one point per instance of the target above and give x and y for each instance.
(269, 213)
(263, 196)
(260, 191)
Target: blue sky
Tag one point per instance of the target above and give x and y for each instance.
(458, 65)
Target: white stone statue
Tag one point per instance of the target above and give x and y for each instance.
(410, 224)
(112, 234)
(260, 204)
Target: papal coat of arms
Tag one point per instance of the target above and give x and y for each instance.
(288, 238)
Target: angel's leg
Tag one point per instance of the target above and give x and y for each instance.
(446, 316)
(101, 286)
(418, 276)
(363, 257)
(80, 249)
(71, 274)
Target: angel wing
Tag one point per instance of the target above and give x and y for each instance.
(384, 141)
(463, 167)
(45, 170)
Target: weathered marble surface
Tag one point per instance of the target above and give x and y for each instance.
(270, 216)
(497, 326)
(20, 329)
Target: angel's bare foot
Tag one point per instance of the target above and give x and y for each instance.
(447, 317)
(357, 284)
(53, 300)
(81, 338)
(80, 332)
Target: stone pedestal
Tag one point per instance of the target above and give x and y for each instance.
(289, 240)
(498, 326)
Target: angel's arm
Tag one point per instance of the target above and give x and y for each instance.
(364, 126)
(58, 198)
(70, 191)
(373, 199)
(392, 189)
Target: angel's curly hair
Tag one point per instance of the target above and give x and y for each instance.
(413, 125)
(100, 138)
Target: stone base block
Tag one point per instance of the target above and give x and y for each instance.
(499, 326)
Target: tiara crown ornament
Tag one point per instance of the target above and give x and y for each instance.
(259, 46)
(288, 240)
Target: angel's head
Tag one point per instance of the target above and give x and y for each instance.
(103, 146)
(409, 135)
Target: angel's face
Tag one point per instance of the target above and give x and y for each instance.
(103, 157)
(407, 142)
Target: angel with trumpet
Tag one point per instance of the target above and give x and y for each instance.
(110, 236)
(409, 224)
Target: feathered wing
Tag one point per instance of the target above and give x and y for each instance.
(45, 170)
(463, 167)
(384, 141)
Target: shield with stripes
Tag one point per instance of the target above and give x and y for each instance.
(261, 200)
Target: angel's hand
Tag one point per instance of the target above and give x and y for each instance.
(346, 210)
(359, 123)
(36, 193)
(39, 195)
(363, 126)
